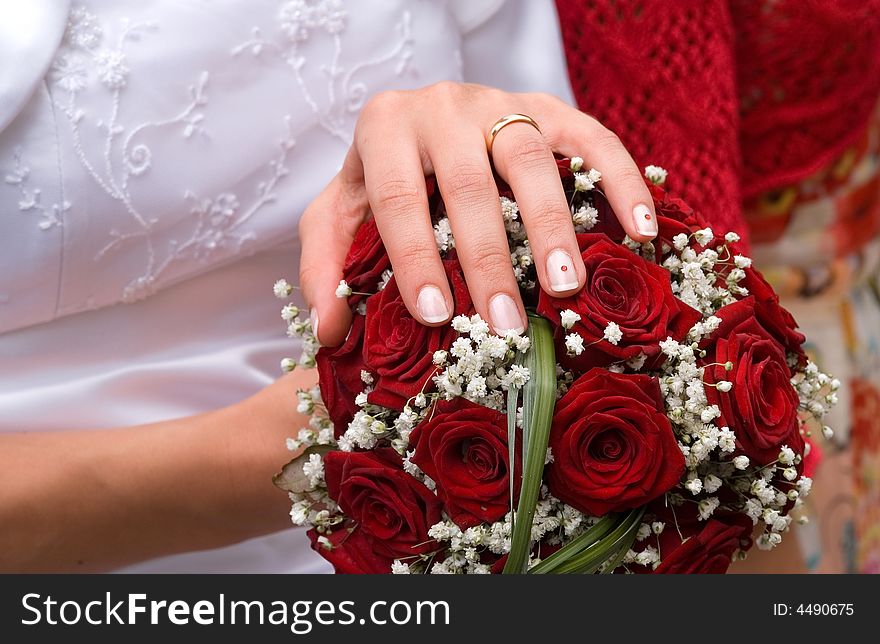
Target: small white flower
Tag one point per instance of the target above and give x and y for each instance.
(670, 347)
(282, 289)
(704, 236)
(657, 527)
(585, 216)
(366, 377)
(786, 455)
(804, 485)
(568, 318)
(789, 473)
(613, 333)
(288, 364)
(289, 312)
(827, 432)
(680, 241)
(711, 484)
(637, 362)
(343, 290)
(399, 568)
(741, 462)
(655, 174)
(710, 413)
(742, 262)
(439, 357)
(314, 469)
(582, 182)
(574, 344)
(724, 386)
(707, 506)
(694, 485)
(731, 237)
(576, 164)
(648, 556)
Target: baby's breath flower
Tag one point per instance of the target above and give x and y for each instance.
(706, 507)
(343, 290)
(741, 462)
(282, 289)
(568, 318)
(703, 236)
(613, 333)
(574, 344)
(655, 174)
(576, 164)
(694, 485)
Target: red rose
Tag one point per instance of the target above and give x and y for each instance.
(339, 376)
(464, 449)
(708, 552)
(391, 509)
(762, 406)
(772, 316)
(398, 350)
(350, 552)
(674, 217)
(625, 289)
(366, 260)
(613, 446)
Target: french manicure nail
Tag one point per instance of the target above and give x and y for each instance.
(313, 317)
(432, 305)
(505, 315)
(644, 221)
(560, 270)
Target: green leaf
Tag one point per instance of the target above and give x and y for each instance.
(597, 546)
(539, 400)
(577, 545)
(512, 402)
(291, 477)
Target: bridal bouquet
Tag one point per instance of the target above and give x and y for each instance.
(647, 423)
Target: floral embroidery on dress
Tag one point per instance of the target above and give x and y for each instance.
(93, 62)
(30, 199)
(299, 20)
(84, 59)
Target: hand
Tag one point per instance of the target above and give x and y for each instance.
(401, 137)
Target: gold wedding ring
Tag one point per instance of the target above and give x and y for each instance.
(503, 122)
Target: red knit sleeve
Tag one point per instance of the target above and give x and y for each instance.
(661, 75)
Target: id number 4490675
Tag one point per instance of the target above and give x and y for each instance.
(813, 609)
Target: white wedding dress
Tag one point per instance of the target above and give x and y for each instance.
(154, 157)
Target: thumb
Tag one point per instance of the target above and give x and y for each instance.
(326, 231)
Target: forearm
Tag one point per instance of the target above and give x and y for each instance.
(93, 500)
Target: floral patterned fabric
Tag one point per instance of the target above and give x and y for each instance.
(818, 243)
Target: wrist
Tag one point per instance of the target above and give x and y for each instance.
(254, 450)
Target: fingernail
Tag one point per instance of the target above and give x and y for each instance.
(432, 305)
(313, 317)
(505, 315)
(560, 270)
(644, 221)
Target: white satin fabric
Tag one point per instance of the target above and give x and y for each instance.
(151, 179)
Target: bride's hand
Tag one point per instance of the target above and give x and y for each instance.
(401, 137)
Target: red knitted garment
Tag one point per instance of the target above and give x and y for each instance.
(733, 97)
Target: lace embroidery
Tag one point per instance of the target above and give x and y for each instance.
(217, 221)
(89, 60)
(299, 20)
(30, 199)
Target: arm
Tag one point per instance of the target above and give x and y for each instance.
(94, 500)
